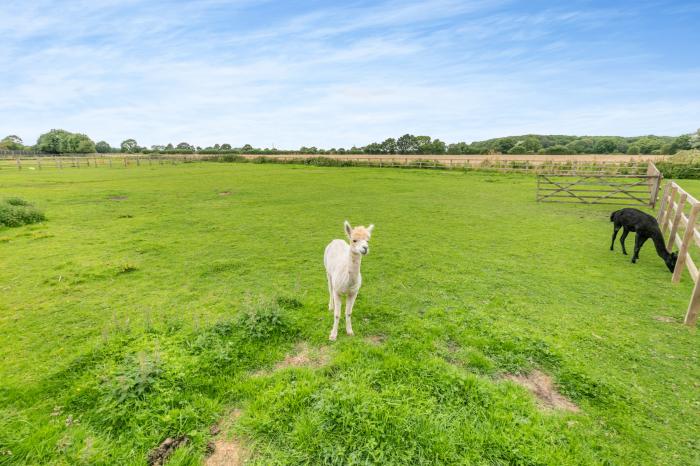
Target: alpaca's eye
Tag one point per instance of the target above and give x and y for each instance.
(354, 241)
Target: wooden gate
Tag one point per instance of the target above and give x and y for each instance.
(600, 187)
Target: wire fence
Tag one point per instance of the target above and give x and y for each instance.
(533, 165)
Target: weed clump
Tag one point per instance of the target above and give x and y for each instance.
(15, 212)
(288, 302)
(263, 321)
(126, 267)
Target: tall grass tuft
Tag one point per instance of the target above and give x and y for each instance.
(15, 212)
(265, 320)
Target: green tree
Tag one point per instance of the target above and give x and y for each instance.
(82, 144)
(58, 141)
(12, 142)
(532, 144)
(225, 146)
(185, 146)
(407, 144)
(389, 146)
(438, 147)
(518, 148)
(503, 145)
(633, 149)
(605, 146)
(682, 142)
(129, 146)
(103, 147)
(556, 149)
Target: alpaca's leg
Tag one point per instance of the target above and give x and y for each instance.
(330, 293)
(336, 316)
(638, 243)
(625, 232)
(615, 230)
(348, 312)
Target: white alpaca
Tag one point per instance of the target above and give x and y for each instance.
(342, 261)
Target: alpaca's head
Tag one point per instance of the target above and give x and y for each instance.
(671, 261)
(359, 238)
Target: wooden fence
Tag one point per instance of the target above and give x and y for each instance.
(539, 165)
(683, 233)
(638, 185)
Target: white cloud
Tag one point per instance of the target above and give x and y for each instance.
(342, 75)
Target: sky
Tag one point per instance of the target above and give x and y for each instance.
(336, 74)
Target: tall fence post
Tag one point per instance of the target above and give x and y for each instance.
(669, 208)
(662, 206)
(19, 164)
(676, 221)
(688, 237)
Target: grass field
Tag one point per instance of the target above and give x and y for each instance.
(156, 302)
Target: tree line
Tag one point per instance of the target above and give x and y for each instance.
(58, 141)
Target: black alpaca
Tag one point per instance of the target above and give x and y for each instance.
(646, 227)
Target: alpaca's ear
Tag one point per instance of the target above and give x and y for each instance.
(370, 228)
(348, 228)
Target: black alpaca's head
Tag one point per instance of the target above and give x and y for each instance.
(671, 261)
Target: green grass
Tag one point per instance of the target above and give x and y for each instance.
(149, 304)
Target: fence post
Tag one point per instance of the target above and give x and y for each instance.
(688, 237)
(692, 315)
(662, 206)
(676, 221)
(38, 162)
(19, 164)
(669, 208)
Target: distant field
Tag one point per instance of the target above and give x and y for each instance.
(478, 158)
(158, 301)
(65, 161)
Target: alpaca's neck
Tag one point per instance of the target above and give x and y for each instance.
(660, 244)
(354, 262)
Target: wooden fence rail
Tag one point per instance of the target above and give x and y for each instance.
(683, 233)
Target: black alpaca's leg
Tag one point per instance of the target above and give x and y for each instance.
(625, 232)
(615, 230)
(638, 243)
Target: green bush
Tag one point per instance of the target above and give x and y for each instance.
(15, 212)
(17, 201)
(263, 321)
(689, 171)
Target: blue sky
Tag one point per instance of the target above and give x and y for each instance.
(337, 74)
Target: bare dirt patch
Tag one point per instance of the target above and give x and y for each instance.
(666, 319)
(225, 193)
(118, 198)
(226, 452)
(375, 340)
(161, 454)
(541, 385)
(303, 355)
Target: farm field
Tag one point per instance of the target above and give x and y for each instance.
(158, 301)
